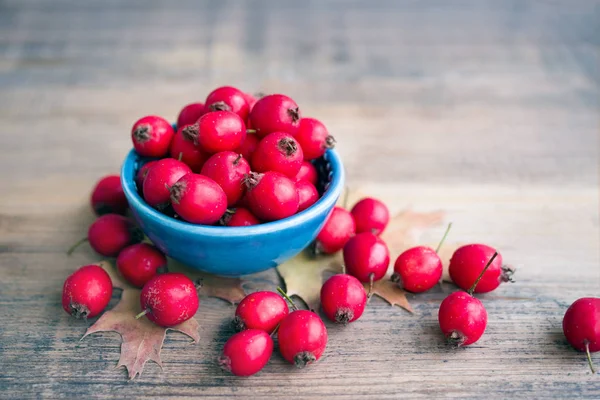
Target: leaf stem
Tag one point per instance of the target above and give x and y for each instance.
(76, 245)
(472, 288)
(288, 298)
(439, 246)
(589, 356)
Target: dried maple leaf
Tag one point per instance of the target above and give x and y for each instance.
(141, 339)
(390, 292)
(303, 275)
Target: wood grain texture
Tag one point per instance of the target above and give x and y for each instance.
(487, 110)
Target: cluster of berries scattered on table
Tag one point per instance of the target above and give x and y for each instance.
(237, 160)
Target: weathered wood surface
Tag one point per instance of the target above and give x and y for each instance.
(488, 110)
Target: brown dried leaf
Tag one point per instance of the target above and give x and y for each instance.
(228, 289)
(303, 275)
(390, 292)
(141, 339)
(405, 227)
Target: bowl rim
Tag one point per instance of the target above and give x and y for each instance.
(326, 201)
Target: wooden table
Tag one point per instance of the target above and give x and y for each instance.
(487, 110)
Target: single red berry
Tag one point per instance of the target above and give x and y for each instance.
(302, 338)
(239, 217)
(313, 138)
(248, 146)
(184, 147)
(307, 172)
(160, 177)
(275, 113)
(108, 196)
(169, 299)
(141, 175)
(271, 196)
(468, 261)
(370, 215)
(152, 136)
(336, 232)
(307, 195)
(418, 269)
(220, 131)
(198, 199)
(581, 325)
(228, 98)
(366, 257)
(278, 152)
(462, 318)
(343, 298)
(228, 169)
(111, 233)
(190, 114)
(260, 310)
(139, 263)
(246, 352)
(86, 292)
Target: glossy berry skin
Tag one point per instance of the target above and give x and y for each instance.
(418, 269)
(271, 196)
(336, 232)
(220, 131)
(228, 169)
(111, 233)
(307, 195)
(246, 352)
(366, 254)
(86, 292)
(462, 318)
(160, 178)
(343, 299)
(239, 217)
(278, 152)
(228, 98)
(169, 299)
(140, 262)
(198, 199)
(251, 100)
(581, 324)
(275, 113)
(190, 114)
(152, 136)
(370, 215)
(184, 148)
(108, 196)
(307, 172)
(260, 310)
(468, 261)
(302, 338)
(141, 175)
(313, 138)
(248, 146)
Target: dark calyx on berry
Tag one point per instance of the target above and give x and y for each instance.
(225, 363)
(79, 311)
(507, 274)
(191, 132)
(396, 278)
(304, 358)
(294, 114)
(237, 324)
(177, 191)
(142, 133)
(330, 142)
(219, 106)
(237, 160)
(226, 217)
(252, 179)
(456, 339)
(344, 316)
(288, 146)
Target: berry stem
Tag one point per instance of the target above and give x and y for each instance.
(180, 156)
(439, 246)
(250, 131)
(288, 298)
(140, 315)
(371, 280)
(472, 288)
(589, 356)
(76, 245)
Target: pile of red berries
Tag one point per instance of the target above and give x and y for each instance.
(233, 159)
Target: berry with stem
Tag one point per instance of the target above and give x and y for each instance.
(271, 196)
(169, 299)
(343, 299)
(198, 199)
(152, 136)
(275, 113)
(184, 147)
(228, 169)
(108, 196)
(246, 352)
(468, 261)
(140, 262)
(370, 215)
(109, 234)
(581, 326)
(86, 292)
(160, 178)
(219, 131)
(228, 98)
(336, 232)
(260, 310)
(190, 114)
(314, 138)
(279, 152)
(366, 257)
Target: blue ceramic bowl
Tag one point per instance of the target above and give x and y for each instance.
(234, 251)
